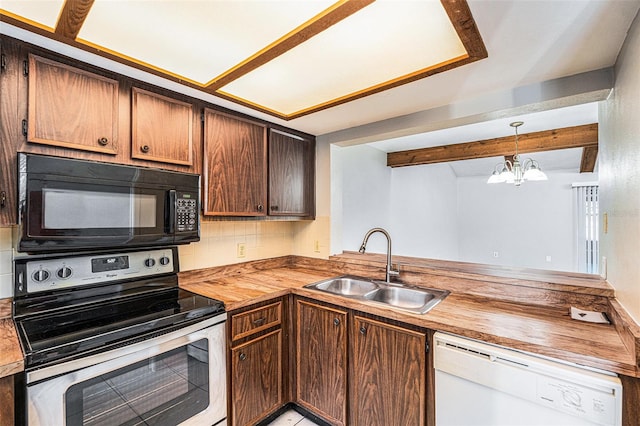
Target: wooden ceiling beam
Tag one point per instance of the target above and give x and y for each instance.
(72, 17)
(548, 140)
(589, 157)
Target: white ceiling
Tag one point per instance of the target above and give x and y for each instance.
(528, 41)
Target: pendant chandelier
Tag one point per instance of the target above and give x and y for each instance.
(514, 172)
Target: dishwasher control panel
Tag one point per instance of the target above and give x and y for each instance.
(598, 405)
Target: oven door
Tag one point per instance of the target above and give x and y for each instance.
(177, 378)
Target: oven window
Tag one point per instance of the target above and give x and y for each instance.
(69, 209)
(166, 389)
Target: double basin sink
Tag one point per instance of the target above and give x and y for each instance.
(417, 300)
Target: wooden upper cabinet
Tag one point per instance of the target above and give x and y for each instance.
(71, 108)
(321, 352)
(161, 128)
(291, 175)
(235, 165)
(388, 381)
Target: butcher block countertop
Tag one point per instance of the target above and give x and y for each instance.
(521, 309)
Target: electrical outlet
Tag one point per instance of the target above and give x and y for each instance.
(496, 254)
(316, 246)
(242, 250)
(548, 258)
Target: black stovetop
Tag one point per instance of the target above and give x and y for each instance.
(70, 306)
(90, 324)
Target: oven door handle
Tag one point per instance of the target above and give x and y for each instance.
(148, 347)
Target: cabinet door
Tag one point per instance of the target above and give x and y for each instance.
(388, 383)
(6, 401)
(321, 351)
(10, 129)
(71, 108)
(291, 175)
(256, 379)
(161, 128)
(235, 167)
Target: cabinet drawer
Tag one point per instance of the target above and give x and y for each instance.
(247, 323)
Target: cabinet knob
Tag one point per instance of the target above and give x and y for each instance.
(144, 148)
(336, 321)
(3, 199)
(242, 356)
(258, 321)
(274, 208)
(259, 207)
(103, 141)
(363, 329)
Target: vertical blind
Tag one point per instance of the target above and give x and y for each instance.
(587, 228)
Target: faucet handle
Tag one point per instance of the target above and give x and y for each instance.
(394, 272)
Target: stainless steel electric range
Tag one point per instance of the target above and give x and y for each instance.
(110, 339)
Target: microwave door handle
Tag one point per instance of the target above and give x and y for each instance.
(172, 211)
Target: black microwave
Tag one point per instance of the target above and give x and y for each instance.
(68, 204)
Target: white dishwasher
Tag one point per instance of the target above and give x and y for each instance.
(481, 384)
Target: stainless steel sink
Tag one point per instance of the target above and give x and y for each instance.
(347, 286)
(409, 298)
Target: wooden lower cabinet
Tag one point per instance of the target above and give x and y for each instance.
(321, 352)
(256, 385)
(6, 401)
(388, 374)
(355, 370)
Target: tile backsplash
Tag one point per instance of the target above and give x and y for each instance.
(6, 263)
(218, 244)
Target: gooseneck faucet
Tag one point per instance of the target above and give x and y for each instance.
(363, 248)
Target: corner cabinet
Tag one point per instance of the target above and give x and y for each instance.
(71, 108)
(256, 356)
(321, 352)
(388, 379)
(161, 128)
(235, 165)
(291, 175)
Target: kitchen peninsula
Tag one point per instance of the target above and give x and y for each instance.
(526, 310)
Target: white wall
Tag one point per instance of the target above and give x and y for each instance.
(619, 162)
(416, 205)
(423, 206)
(366, 188)
(6, 263)
(431, 213)
(522, 224)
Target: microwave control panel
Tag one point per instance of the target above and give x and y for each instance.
(186, 212)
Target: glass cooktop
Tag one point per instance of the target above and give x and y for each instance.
(74, 330)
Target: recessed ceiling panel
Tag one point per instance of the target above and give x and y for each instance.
(384, 41)
(197, 40)
(42, 13)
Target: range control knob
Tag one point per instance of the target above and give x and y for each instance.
(64, 272)
(41, 275)
(149, 262)
(164, 260)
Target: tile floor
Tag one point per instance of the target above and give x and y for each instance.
(290, 418)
